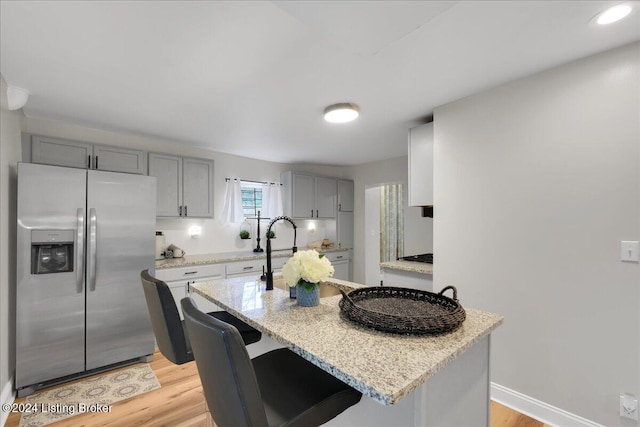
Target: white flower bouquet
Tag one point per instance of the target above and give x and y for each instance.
(307, 268)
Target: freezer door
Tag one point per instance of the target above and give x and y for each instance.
(49, 301)
(120, 244)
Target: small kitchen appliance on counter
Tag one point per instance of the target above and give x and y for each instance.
(160, 245)
(426, 258)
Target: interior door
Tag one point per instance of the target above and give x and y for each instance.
(49, 305)
(120, 244)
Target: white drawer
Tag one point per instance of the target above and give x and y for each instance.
(338, 256)
(190, 272)
(277, 263)
(245, 267)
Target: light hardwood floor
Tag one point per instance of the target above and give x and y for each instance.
(179, 402)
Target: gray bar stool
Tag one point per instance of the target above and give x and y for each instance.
(278, 388)
(171, 335)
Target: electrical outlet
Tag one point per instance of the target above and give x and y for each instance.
(629, 251)
(629, 406)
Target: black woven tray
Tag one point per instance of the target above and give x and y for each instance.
(402, 310)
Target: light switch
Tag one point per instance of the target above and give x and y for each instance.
(630, 251)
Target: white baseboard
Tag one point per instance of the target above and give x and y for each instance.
(534, 408)
(7, 396)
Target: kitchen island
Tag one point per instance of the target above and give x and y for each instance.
(407, 380)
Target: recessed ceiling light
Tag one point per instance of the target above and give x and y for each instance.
(613, 14)
(341, 113)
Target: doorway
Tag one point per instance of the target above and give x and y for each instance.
(415, 237)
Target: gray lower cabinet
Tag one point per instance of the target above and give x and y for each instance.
(341, 262)
(246, 268)
(341, 270)
(184, 185)
(84, 155)
(179, 280)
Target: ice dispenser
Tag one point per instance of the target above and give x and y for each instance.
(51, 251)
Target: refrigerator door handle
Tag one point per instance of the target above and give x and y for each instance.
(92, 258)
(80, 250)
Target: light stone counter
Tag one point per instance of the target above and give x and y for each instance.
(222, 257)
(411, 266)
(385, 367)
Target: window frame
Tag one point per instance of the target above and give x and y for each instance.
(251, 210)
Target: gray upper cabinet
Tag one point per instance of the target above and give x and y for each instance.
(116, 159)
(184, 186)
(309, 196)
(58, 152)
(325, 197)
(78, 154)
(421, 165)
(168, 172)
(197, 184)
(345, 195)
(303, 203)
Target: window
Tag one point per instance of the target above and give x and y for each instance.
(251, 198)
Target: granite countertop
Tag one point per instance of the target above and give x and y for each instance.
(385, 367)
(412, 266)
(222, 257)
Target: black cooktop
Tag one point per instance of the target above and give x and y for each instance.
(426, 258)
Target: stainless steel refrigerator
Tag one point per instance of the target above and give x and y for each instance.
(83, 236)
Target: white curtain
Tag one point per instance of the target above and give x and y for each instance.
(391, 222)
(232, 209)
(272, 200)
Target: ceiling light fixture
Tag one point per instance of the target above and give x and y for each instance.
(613, 14)
(341, 113)
(16, 97)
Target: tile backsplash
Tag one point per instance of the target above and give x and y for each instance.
(217, 236)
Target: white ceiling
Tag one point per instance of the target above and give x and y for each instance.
(252, 78)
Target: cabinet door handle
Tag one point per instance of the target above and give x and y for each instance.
(311, 213)
(317, 216)
(248, 268)
(180, 211)
(185, 210)
(187, 273)
(89, 161)
(339, 207)
(339, 257)
(96, 166)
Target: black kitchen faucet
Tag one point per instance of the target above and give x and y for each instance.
(294, 249)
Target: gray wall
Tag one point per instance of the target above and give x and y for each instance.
(10, 128)
(536, 184)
